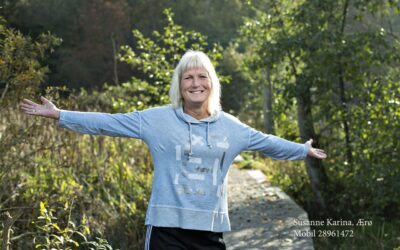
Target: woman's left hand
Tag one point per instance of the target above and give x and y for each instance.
(315, 152)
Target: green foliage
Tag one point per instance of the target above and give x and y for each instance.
(350, 69)
(351, 76)
(21, 71)
(109, 178)
(156, 59)
(238, 94)
(51, 235)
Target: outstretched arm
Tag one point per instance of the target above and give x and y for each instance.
(281, 149)
(46, 109)
(94, 123)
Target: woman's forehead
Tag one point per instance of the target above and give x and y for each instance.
(195, 70)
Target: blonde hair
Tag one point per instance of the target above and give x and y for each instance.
(190, 60)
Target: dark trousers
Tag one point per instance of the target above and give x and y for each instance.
(167, 238)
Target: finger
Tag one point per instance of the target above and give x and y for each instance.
(29, 102)
(29, 109)
(44, 100)
(25, 109)
(29, 106)
(318, 154)
(322, 155)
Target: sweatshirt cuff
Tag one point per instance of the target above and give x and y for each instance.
(61, 119)
(305, 151)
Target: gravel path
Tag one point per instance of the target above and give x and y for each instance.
(262, 217)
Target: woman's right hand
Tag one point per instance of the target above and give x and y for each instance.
(46, 109)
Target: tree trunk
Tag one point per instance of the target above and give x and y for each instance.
(342, 93)
(315, 170)
(268, 97)
(345, 118)
(115, 60)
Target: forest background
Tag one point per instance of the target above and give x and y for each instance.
(327, 70)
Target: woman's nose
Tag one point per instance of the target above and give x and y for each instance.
(196, 82)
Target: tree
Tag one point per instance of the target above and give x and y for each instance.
(21, 57)
(325, 66)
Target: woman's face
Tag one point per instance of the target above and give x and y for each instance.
(195, 87)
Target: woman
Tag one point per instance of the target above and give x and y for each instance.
(193, 143)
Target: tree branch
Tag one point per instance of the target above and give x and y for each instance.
(8, 223)
(4, 92)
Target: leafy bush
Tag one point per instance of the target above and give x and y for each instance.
(50, 235)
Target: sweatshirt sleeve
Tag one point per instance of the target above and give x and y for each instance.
(276, 147)
(94, 123)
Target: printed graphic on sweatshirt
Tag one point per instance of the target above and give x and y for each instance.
(196, 175)
(197, 140)
(223, 143)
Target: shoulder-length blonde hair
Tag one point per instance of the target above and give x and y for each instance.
(190, 60)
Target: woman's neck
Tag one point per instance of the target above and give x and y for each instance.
(198, 113)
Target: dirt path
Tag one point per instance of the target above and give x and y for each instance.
(263, 217)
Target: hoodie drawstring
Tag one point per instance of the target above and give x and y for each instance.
(190, 139)
(208, 135)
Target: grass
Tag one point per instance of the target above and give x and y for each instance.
(382, 234)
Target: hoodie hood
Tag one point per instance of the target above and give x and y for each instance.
(191, 120)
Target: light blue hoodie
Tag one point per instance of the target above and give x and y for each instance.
(191, 159)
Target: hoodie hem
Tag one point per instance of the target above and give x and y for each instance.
(196, 219)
